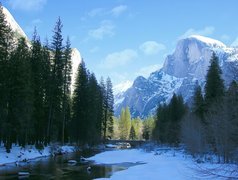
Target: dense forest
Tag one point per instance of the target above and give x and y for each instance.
(209, 125)
(37, 104)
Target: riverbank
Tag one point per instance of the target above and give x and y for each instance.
(20, 154)
(163, 164)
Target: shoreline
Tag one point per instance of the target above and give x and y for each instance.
(30, 153)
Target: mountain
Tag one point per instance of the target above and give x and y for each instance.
(181, 72)
(18, 32)
(76, 60)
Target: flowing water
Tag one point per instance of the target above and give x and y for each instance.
(59, 168)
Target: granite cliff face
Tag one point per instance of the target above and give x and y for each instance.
(181, 72)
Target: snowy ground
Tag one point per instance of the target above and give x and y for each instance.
(19, 154)
(162, 164)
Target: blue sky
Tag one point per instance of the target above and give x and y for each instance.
(126, 38)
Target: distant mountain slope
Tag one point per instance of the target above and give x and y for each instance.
(182, 70)
(18, 32)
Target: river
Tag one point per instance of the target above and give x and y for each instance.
(59, 168)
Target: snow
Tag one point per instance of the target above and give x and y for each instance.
(111, 146)
(19, 154)
(164, 164)
(208, 41)
(12, 23)
(118, 100)
(76, 60)
(122, 87)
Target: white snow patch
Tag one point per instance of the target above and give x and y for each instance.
(169, 164)
(122, 87)
(209, 41)
(12, 23)
(76, 59)
(19, 154)
(118, 100)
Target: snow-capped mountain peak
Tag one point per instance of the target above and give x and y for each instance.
(13, 24)
(209, 41)
(182, 71)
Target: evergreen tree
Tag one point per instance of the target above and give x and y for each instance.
(55, 113)
(110, 104)
(177, 110)
(6, 46)
(167, 126)
(67, 71)
(107, 122)
(132, 135)
(161, 124)
(20, 95)
(198, 103)
(37, 69)
(94, 111)
(214, 88)
(80, 106)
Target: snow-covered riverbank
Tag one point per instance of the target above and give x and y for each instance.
(169, 164)
(19, 154)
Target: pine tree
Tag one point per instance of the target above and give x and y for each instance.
(55, 113)
(80, 106)
(67, 71)
(214, 88)
(132, 135)
(168, 117)
(6, 46)
(94, 111)
(37, 68)
(177, 110)
(110, 104)
(161, 124)
(198, 103)
(107, 120)
(21, 95)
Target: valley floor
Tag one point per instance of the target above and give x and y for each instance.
(162, 164)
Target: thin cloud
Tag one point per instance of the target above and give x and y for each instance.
(115, 11)
(235, 43)
(118, 59)
(94, 49)
(27, 5)
(34, 24)
(118, 10)
(151, 47)
(203, 32)
(225, 37)
(106, 28)
(146, 71)
(96, 12)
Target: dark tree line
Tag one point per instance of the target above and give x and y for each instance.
(36, 103)
(92, 108)
(168, 119)
(210, 125)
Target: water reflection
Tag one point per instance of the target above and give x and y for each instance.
(59, 168)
